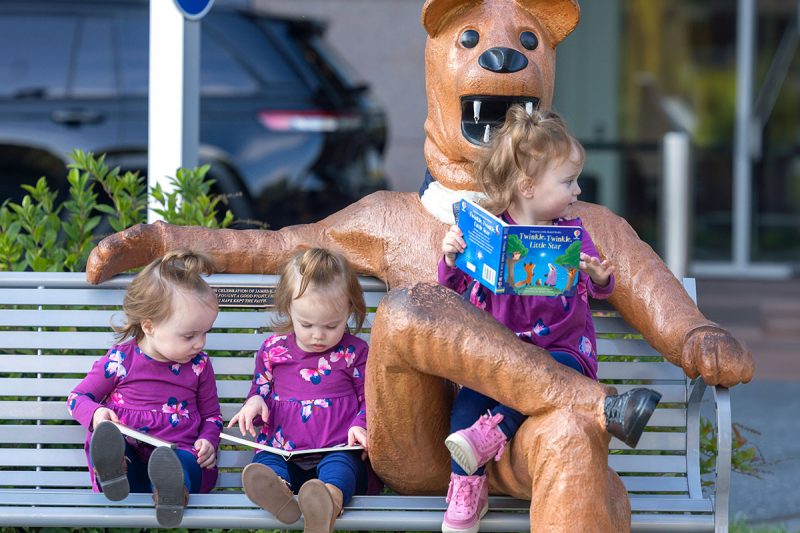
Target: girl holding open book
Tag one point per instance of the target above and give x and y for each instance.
(529, 176)
(308, 393)
(160, 383)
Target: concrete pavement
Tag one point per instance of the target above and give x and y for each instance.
(765, 315)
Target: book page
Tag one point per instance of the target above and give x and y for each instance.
(542, 260)
(285, 453)
(143, 437)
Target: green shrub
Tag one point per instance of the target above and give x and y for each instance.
(44, 235)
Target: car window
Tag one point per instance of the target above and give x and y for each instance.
(34, 55)
(93, 74)
(255, 50)
(220, 73)
(225, 56)
(132, 48)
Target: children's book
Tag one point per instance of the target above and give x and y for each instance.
(143, 437)
(287, 455)
(524, 260)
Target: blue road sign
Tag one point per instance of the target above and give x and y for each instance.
(193, 9)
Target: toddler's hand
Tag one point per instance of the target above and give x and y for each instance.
(206, 454)
(358, 435)
(452, 245)
(252, 408)
(103, 413)
(600, 272)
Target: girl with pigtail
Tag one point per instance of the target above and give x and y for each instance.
(158, 381)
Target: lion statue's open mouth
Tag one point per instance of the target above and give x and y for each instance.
(482, 113)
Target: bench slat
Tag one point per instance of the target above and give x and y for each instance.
(75, 434)
(86, 318)
(54, 364)
(233, 479)
(226, 389)
(640, 371)
(88, 340)
(648, 463)
(75, 457)
(53, 410)
(633, 347)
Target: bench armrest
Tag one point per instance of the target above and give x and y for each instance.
(722, 406)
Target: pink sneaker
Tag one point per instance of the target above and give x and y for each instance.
(472, 448)
(468, 501)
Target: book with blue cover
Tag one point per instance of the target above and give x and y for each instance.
(524, 260)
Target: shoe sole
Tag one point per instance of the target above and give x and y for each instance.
(474, 529)
(317, 506)
(644, 412)
(265, 489)
(166, 474)
(461, 452)
(107, 451)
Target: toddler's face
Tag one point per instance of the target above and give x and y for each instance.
(182, 335)
(319, 320)
(556, 189)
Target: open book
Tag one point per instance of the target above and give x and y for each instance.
(287, 454)
(525, 260)
(143, 437)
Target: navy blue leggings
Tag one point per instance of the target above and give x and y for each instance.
(344, 470)
(139, 481)
(470, 405)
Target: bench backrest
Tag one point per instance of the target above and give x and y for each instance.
(54, 326)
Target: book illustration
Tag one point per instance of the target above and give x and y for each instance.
(286, 454)
(524, 260)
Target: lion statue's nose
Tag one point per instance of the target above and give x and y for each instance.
(502, 60)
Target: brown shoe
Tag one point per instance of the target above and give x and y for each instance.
(169, 492)
(321, 504)
(265, 489)
(107, 452)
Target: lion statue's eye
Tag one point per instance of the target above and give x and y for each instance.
(528, 40)
(469, 39)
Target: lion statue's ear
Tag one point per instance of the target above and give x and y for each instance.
(435, 13)
(559, 17)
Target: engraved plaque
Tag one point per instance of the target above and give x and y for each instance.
(233, 296)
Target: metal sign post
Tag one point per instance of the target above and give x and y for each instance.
(173, 94)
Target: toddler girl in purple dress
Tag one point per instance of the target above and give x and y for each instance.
(307, 393)
(529, 176)
(158, 382)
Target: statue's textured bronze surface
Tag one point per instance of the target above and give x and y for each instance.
(425, 336)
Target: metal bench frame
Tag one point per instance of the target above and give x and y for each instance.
(43, 478)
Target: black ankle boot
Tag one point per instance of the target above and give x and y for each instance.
(627, 414)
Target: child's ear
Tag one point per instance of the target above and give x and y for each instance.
(526, 187)
(147, 326)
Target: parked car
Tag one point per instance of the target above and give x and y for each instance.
(283, 120)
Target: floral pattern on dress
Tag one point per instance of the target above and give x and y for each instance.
(264, 383)
(348, 354)
(176, 410)
(278, 440)
(309, 405)
(216, 420)
(113, 367)
(199, 363)
(315, 375)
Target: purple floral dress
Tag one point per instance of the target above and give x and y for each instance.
(313, 398)
(172, 401)
(555, 323)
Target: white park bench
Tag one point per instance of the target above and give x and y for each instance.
(53, 326)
